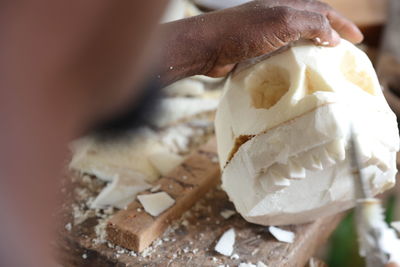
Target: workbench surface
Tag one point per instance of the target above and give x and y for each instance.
(190, 241)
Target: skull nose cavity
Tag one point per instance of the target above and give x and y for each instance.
(314, 82)
(266, 91)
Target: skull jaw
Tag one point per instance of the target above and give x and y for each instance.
(321, 194)
(322, 191)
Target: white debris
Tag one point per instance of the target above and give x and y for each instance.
(185, 87)
(396, 226)
(235, 256)
(120, 192)
(226, 214)
(164, 160)
(177, 108)
(226, 242)
(255, 251)
(177, 138)
(261, 264)
(156, 203)
(155, 188)
(123, 157)
(68, 227)
(282, 235)
(101, 233)
(248, 264)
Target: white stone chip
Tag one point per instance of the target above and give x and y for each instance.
(120, 192)
(164, 160)
(156, 203)
(226, 242)
(246, 264)
(261, 264)
(155, 188)
(68, 227)
(235, 256)
(226, 214)
(282, 235)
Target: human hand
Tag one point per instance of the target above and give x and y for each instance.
(263, 26)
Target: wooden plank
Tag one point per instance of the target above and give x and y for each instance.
(135, 229)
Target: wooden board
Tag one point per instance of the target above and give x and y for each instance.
(136, 230)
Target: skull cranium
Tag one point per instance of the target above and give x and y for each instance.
(283, 133)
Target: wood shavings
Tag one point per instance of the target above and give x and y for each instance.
(156, 203)
(282, 235)
(226, 242)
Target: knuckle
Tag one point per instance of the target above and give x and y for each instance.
(321, 21)
(283, 13)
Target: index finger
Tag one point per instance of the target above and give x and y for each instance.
(343, 26)
(347, 29)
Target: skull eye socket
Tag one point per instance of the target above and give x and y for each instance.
(273, 85)
(314, 82)
(355, 75)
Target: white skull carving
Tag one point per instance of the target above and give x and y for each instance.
(283, 134)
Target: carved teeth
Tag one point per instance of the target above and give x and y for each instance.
(380, 159)
(326, 158)
(279, 169)
(296, 171)
(336, 149)
(311, 162)
(364, 152)
(373, 157)
(273, 181)
(277, 176)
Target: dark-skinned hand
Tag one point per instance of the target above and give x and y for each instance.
(213, 43)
